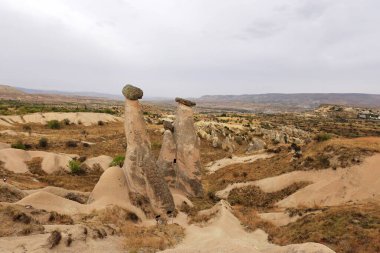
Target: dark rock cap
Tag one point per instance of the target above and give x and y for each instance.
(168, 125)
(185, 102)
(132, 93)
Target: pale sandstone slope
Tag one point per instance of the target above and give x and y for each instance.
(329, 187)
(224, 233)
(85, 118)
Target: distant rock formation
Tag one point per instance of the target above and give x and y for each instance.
(255, 145)
(187, 164)
(148, 189)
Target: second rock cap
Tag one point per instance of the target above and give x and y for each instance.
(185, 102)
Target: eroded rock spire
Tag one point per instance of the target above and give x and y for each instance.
(188, 163)
(148, 189)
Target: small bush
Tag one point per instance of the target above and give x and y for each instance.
(43, 142)
(100, 123)
(54, 124)
(118, 161)
(75, 167)
(71, 144)
(18, 145)
(323, 137)
(54, 239)
(66, 122)
(156, 145)
(27, 128)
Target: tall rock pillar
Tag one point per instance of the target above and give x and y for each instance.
(188, 165)
(148, 189)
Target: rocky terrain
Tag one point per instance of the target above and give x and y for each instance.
(146, 179)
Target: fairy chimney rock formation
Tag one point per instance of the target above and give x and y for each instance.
(187, 143)
(148, 189)
(167, 156)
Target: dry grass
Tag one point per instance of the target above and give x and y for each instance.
(253, 196)
(244, 172)
(151, 239)
(137, 238)
(35, 166)
(345, 229)
(329, 154)
(16, 222)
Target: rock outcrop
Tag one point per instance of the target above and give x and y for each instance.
(148, 189)
(227, 145)
(256, 145)
(167, 155)
(188, 155)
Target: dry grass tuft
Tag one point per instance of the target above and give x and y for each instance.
(151, 239)
(15, 222)
(253, 196)
(35, 166)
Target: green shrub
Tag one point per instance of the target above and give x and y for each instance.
(118, 161)
(43, 142)
(18, 145)
(323, 137)
(156, 145)
(75, 167)
(54, 124)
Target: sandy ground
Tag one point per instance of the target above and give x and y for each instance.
(278, 218)
(102, 161)
(56, 191)
(14, 133)
(4, 145)
(329, 187)
(85, 118)
(224, 233)
(14, 160)
(111, 189)
(219, 164)
(80, 243)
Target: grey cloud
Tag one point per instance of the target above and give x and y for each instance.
(191, 48)
(312, 9)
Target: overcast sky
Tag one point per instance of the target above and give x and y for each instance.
(191, 47)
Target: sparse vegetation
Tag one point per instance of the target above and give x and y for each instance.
(43, 142)
(118, 161)
(35, 166)
(66, 122)
(54, 124)
(75, 167)
(253, 196)
(71, 144)
(323, 137)
(344, 229)
(18, 145)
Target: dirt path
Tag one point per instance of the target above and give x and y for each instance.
(219, 164)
